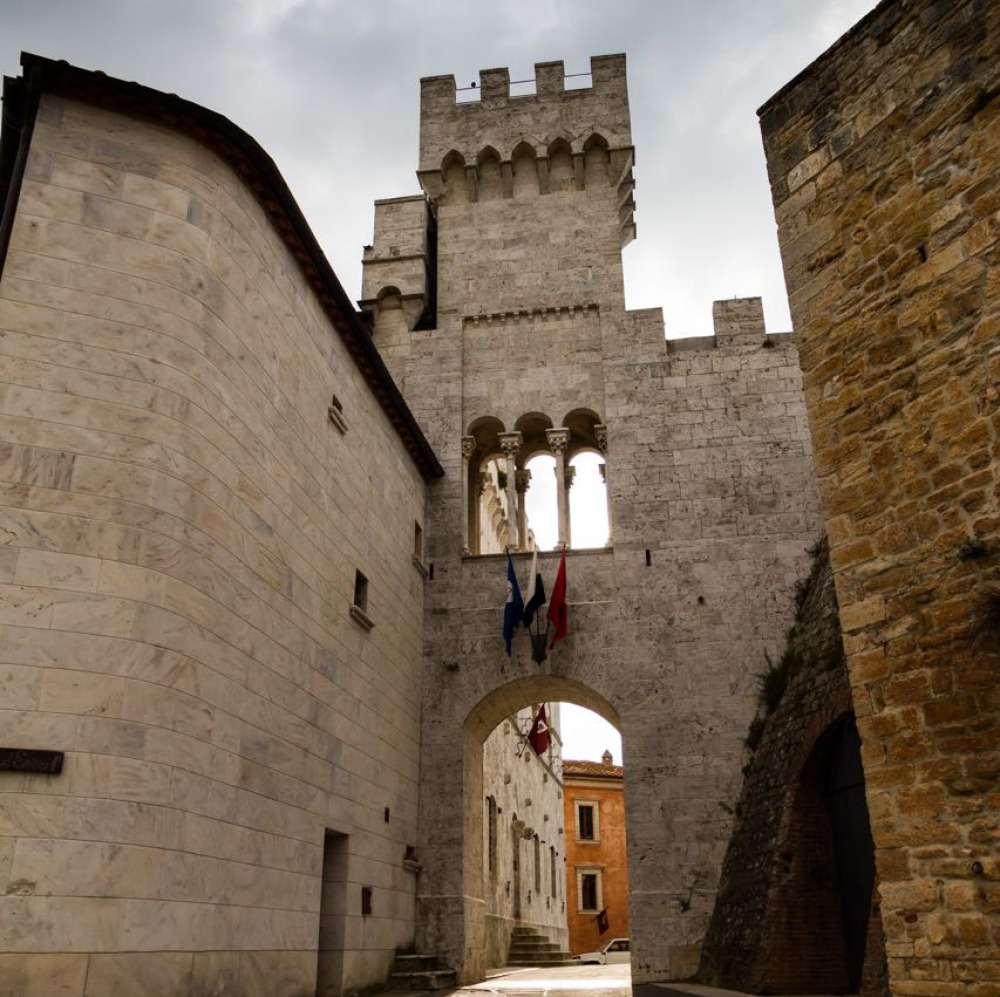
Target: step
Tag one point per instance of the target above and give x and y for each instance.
(412, 962)
(431, 979)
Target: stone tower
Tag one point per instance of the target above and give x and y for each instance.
(496, 298)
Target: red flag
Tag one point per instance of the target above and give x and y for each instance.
(603, 923)
(538, 736)
(557, 606)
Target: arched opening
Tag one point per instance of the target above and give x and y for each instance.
(586, 480)
(541, 512)
(524, 851)
(588, 500)
(819, 914)
(488, 496)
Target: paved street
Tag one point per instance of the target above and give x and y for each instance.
(597, 981)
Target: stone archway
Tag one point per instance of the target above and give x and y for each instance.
(451, 905)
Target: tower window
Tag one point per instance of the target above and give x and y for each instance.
(359, 607)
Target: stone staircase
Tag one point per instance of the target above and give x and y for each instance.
(529, 947)
(419, 972)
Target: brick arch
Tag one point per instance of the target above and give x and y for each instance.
(802, 938)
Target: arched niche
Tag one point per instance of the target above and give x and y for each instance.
(524, 165)
(391, 322)
(561, 176)
(489, 185)
(596, 162)
(456, 181)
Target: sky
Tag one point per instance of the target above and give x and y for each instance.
(330, 89)
(586, 736)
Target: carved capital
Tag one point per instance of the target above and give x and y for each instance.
(468, 447)
(558, 440)
(510, 443)
(522, 479)
(601, 432)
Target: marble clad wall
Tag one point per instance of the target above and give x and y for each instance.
(181, 528)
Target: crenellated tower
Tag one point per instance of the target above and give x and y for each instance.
(496, 297)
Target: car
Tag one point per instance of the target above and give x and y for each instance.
(615, 950)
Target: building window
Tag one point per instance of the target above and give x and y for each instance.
(589, 889)
(538, 866)
(418, 549)
(586, 821)
(359, 607)
(552, 871)
(491, 835)
(335, 411)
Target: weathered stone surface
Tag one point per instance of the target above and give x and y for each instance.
(891, 270)
(712, 496)
(184, 526)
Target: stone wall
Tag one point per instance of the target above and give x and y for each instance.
(776, 927)
(524, 875)
(884, 159)
(182, 527)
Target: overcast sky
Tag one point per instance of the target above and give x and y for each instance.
(330, 89)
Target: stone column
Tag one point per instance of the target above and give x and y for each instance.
(522, 482)
(601, 431)
(558, 441)
(510, 443)
(570, 476)
(468, 448)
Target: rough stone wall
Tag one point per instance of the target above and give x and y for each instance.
(884, 158)
(528, 793)
(776, 927)
(182, 525)
(709, 470)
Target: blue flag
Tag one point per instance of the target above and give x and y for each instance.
(513, 611)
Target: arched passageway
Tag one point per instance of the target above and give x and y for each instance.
(498, 853)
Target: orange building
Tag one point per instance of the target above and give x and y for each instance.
(596, 865)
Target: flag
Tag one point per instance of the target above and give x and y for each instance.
(538, 736)
(537, 599)
(603, 923)
(557, 607)
(514, 609)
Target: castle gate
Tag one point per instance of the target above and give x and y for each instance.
(496, 298)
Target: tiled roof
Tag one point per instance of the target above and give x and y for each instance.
(592, 770)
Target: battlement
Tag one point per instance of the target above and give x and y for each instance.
(607, 74)
(501, 119)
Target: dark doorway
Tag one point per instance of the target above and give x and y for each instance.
(332, 916)
(853, 848)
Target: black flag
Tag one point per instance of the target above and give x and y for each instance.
(537, 599)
